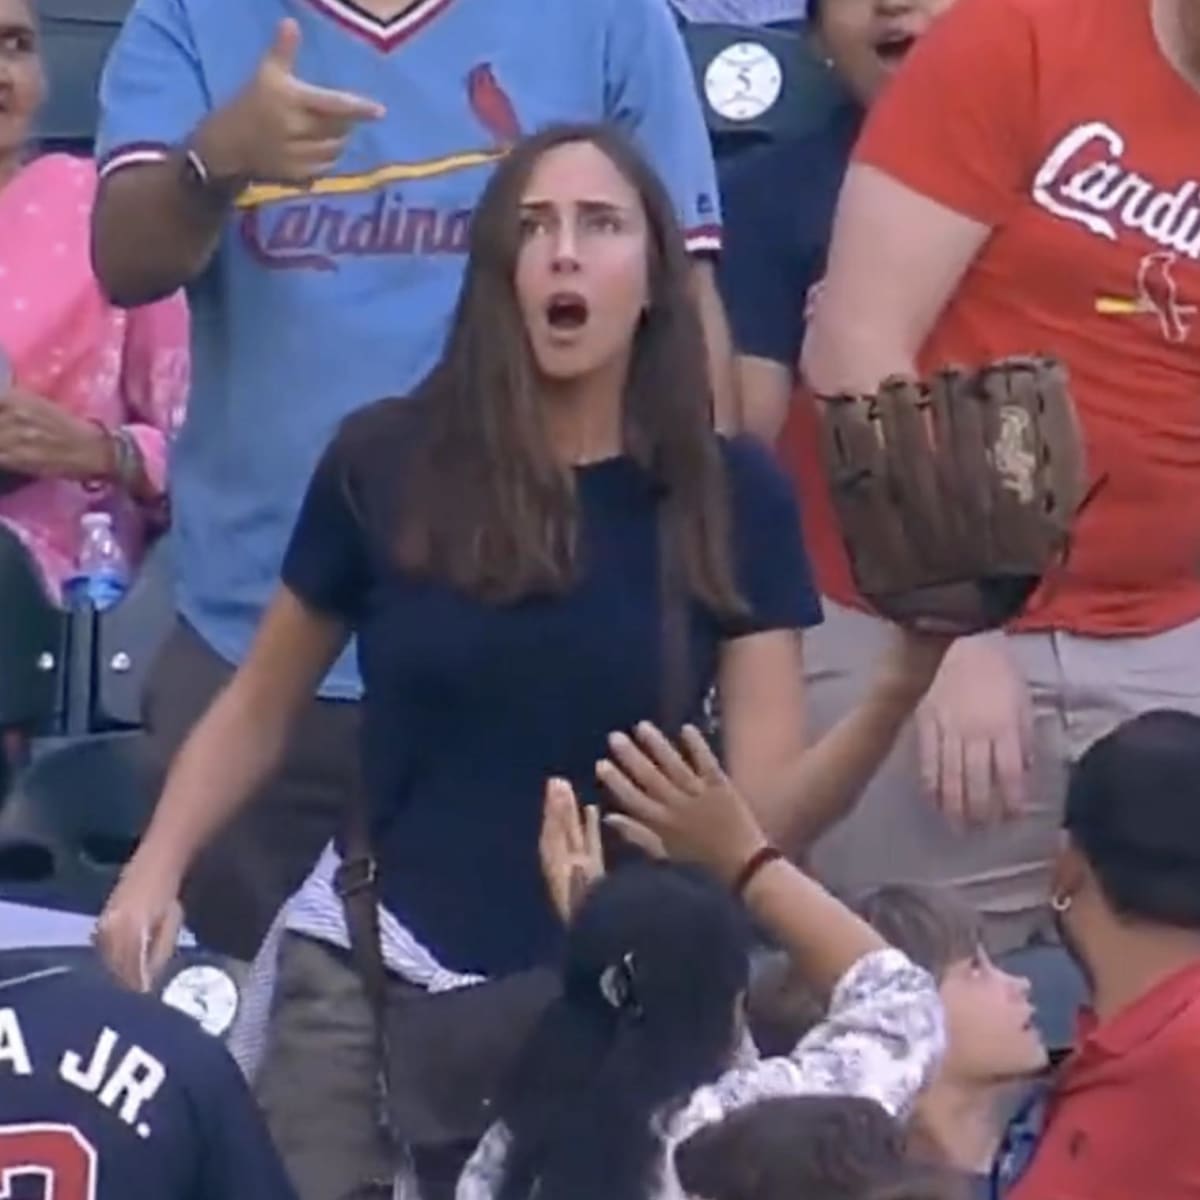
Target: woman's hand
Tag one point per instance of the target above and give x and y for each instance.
(570, 847)
(682, 803)
(139, 928)
(40, 439)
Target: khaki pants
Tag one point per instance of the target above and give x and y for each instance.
(1081, 689)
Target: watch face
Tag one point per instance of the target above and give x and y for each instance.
(206, 994)
(743, 81)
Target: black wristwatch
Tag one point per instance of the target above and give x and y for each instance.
(201, 182)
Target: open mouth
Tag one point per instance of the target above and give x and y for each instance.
(566, 312)
(894, 46)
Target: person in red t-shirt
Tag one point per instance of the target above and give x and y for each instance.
(1120, 1123)
(1008, 197)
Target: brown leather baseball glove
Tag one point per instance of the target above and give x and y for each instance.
(955, 497)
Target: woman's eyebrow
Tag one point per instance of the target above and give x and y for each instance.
(587, 206)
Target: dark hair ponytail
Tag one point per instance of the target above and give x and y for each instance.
(656, 960)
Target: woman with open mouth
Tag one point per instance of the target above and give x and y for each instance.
(546, 542)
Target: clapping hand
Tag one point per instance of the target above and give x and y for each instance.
(570, 848)
(679, 801)
(281, 129)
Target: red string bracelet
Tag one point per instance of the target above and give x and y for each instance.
(759, 859)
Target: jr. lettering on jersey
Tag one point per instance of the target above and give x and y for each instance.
(124, 1078)
(1084, 180)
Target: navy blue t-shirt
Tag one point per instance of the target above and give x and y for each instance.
(470, 706)
(779, 209)
(109, 1095)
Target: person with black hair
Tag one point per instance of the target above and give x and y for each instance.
(809, 1148)
(647, 1044)
(1121, 1119)
(778, 206)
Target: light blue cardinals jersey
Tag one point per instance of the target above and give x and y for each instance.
(322, 300)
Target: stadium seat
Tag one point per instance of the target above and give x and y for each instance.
(760, 84)
(72, 819)
(76, 36)
(32, 642)
(74, 803)
(127, 639)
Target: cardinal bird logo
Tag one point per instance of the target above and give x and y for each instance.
(1157, 296)
(491, 105)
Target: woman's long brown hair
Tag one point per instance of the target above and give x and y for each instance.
(485, 503)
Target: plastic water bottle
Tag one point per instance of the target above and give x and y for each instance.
(102, 571)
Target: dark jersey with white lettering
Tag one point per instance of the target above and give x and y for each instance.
(109, 1095)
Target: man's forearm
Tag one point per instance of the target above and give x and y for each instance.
(156, 225)
(152, 232)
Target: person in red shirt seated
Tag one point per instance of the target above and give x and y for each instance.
(1121, 1120)
(1006, 198)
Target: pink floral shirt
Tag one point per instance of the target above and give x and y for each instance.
(66, 343)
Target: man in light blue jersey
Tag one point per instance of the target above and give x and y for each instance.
(308, 168)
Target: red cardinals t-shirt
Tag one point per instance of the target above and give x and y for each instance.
(1062, 126)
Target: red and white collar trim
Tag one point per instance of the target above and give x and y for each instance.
(384, 34)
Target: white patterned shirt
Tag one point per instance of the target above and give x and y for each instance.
(882, 1038)
(317, 912)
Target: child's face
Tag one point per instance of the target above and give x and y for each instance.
(990, 1023)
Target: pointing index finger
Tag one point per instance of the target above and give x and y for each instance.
(344, 106)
